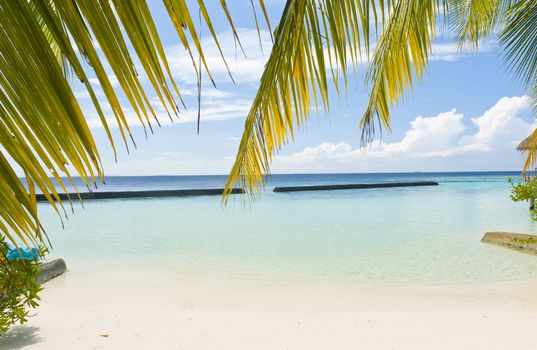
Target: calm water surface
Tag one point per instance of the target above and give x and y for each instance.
(393, 235)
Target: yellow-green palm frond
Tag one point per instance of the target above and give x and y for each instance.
(401, 54)
(473, 20)
(518, 41)
(44, 133)
(314, 40)
(514, 20)
(50, 37)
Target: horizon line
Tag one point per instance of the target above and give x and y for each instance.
(325, 173)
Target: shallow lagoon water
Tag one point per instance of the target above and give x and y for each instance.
(390, 235)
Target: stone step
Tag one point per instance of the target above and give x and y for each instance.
(517, 241)
(50, 269)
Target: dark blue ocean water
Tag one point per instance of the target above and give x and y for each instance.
(140, 183)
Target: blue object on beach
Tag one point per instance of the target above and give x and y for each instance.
(22, 253)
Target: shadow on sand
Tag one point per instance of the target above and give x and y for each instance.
(19, 337)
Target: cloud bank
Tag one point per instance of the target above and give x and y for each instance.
(431, 144)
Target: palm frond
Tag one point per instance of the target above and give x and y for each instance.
(62, 59)
(313, 41)
(518, 41)
(41, 119)
(44, 132)
(473, 20)
(401, 55)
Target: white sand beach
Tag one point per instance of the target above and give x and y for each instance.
(148, 310)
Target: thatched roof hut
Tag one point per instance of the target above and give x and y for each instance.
(525, 145)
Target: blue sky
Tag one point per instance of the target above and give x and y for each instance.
(468, 114)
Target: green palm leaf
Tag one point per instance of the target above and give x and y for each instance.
(313, 42)
(44, 132)
(400, 55)
(518, 40)
(408, 29)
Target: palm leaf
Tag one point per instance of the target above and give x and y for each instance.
(473, 20)
(518, 41)
(400, 56)
(313, 41)
(44, 132)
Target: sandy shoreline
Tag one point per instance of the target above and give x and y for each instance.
(140, 310)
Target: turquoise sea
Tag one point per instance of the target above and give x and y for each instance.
(393, 235)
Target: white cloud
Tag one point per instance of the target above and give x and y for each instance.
(500, 124)
(111, 78)
(210, 111)
(243, 70)
(450, 52)
(430, 143)
(441, 51)
(446, 52)
(207, 91)
(430, 134)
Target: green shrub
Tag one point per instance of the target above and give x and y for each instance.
(18, 289)
(525, 190)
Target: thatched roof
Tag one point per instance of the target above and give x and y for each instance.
(524, 145)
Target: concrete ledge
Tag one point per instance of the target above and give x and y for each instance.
(517, 241)
(50, 269)
(143, 194)
(354, 186)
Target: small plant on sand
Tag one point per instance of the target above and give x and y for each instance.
(18, 288)
(525, 190)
